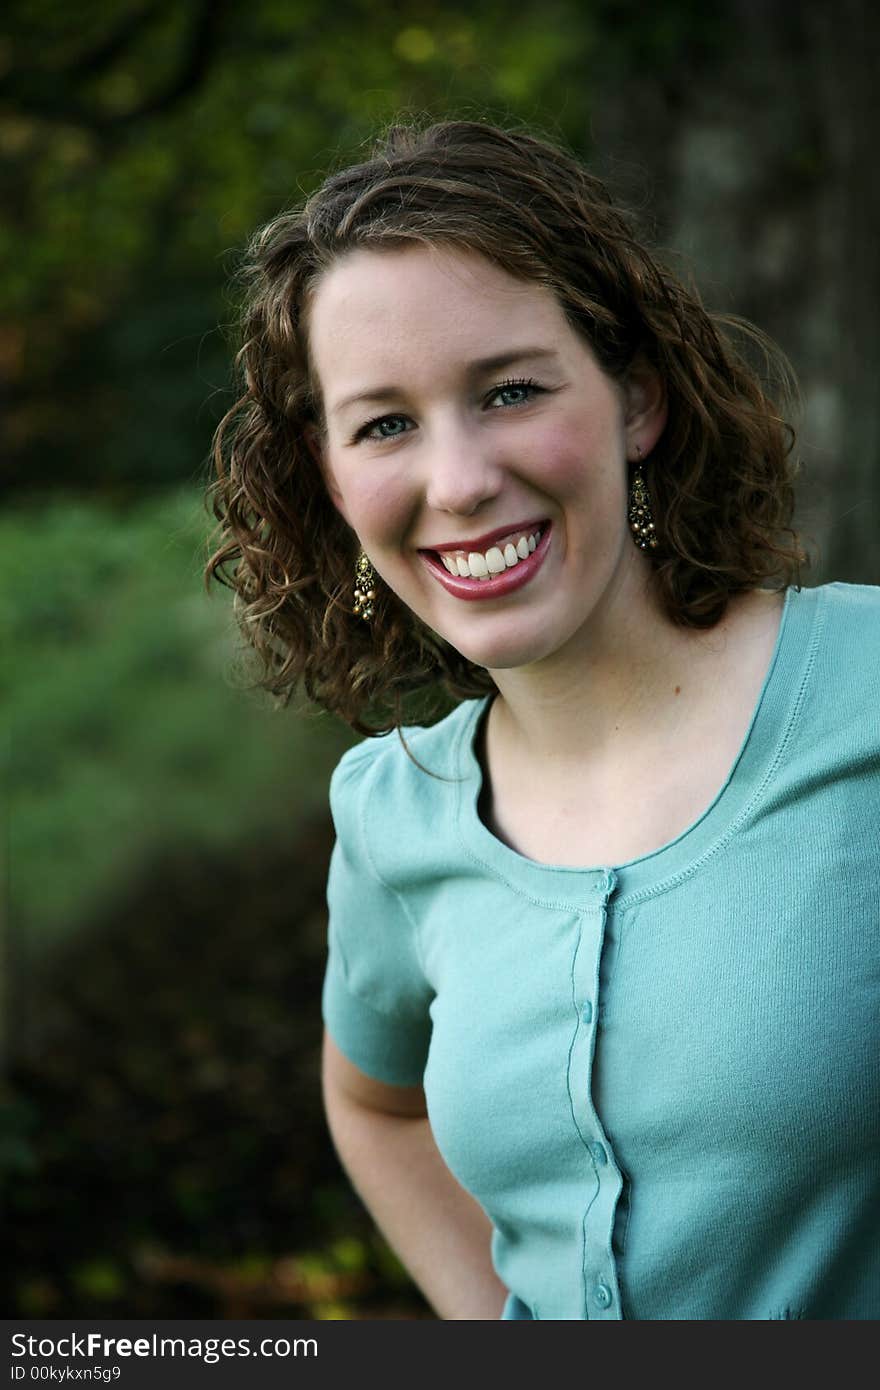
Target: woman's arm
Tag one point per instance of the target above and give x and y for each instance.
(384, 1141)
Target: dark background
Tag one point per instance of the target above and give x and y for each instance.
(166, 834)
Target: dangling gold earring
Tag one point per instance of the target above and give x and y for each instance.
(641, 518)
(364, 587)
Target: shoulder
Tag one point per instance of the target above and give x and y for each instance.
(394, 793)
(852, 601)
(850, 615)
(382, 765)
(845, 660)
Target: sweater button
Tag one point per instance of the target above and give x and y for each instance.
(600, 1157)
(602, 1296)
(587, 1012)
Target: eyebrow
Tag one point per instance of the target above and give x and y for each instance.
(476, 368)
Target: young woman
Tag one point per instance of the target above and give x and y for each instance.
(601, 998)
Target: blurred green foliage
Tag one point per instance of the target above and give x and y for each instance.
(126, 718)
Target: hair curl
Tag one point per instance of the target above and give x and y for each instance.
(721, 475)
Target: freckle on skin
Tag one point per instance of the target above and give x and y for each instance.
(678, 690)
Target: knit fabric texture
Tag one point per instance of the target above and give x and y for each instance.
(660, 1079)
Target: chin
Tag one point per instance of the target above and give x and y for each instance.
(503, 655)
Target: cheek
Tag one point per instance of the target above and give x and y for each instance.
(578, 461)
(378, 503)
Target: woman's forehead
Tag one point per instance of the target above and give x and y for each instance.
(390, 306)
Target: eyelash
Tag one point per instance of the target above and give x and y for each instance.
(526, 383)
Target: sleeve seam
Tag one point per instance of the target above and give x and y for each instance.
(407, 1020)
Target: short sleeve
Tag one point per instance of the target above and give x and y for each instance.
(375, 999)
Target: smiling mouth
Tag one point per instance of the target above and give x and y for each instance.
(495, 583)
(505, 554)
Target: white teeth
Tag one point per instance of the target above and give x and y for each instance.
(494, 561)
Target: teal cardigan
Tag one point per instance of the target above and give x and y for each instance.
(660, 1079)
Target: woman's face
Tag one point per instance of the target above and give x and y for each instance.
(465, 417)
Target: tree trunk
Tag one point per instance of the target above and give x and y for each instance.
(756, 156)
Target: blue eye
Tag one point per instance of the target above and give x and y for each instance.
(380, 421)
(523, 389)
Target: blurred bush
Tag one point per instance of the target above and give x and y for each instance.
(162, 1145)
(127, 723)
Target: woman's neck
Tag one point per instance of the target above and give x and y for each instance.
(628, 680)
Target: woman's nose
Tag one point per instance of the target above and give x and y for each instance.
(463, 471)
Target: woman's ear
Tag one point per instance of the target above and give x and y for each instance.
(645, 408)
(317, 447)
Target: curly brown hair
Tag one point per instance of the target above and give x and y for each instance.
(721, 476)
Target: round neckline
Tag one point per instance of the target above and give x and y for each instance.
(773, 712)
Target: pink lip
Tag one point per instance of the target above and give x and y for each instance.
(499, 584)
(482, 543)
